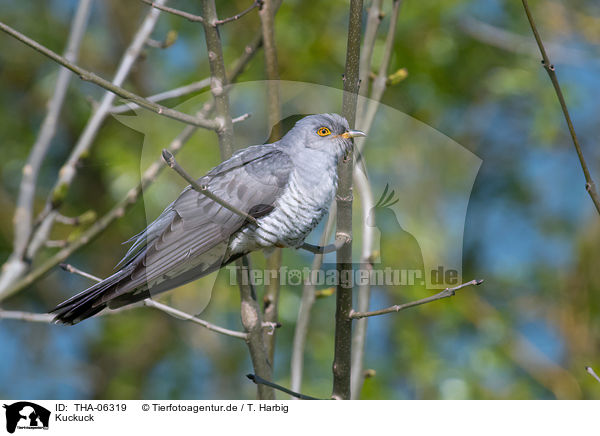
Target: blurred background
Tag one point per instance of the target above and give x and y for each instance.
(473, 74)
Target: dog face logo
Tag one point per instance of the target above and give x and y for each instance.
(26, 415)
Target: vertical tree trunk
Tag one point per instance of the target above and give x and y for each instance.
(343, 324)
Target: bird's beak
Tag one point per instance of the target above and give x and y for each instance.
(353, 134)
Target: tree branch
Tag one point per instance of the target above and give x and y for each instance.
(340, 241)
(16, 265)
(203, 189)
(367, 202)
(448, 292)
(190, 17)
(173, 93)
(186, 316)
(259, 380)
(148, 302)
(115, 89)
(26, 316)
(24, 208)
(306, 304)
(365, 120)
(250, 312)
(380, 82)
(102, 223)
(373, 21)
(343, 324)
(591, 372)
(256, 4)
(267, 20)
(590, 186)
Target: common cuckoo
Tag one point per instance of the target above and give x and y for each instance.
(287, 186)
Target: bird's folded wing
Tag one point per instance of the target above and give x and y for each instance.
(193, 224)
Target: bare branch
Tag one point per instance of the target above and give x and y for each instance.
(590, 186)
(448, 292)
(250, 312)
(241, 118)
(259, 380)
(343, 324)
(190, 17)
(186, 316)
(380, 81)
(73, 270)
(102, 223)
(591, 372)
(267, 21)
(173, 93)
(172, 163)
(340, 241)
(365, 120)
(16, 264)
(26, 316)
(256, 4)
(114, 89)
(252, 322)
(373, 21)
(306, 304)
(363, 188)
(219, 82)
(505, 40)
(163, 307)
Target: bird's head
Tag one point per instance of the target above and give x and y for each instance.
(329, 133)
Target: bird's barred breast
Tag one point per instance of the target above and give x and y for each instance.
(297, 212)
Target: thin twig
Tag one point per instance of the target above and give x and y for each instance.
(515, 43)
(591, 372)
(374, 18)
(365, 121)
(163, 307)
(590, 186)
(67, 173)
(191, 17)
(16, 265)
(117, 90)
(172, 93)
(380, 82)
(304, 311)
(256, 4)
(363, 188)
(343, 324)
(173, 164)
(252, 322)
(102, 223)
(73, 270)
(241, 118)
(340, 241)
(186, 316)
(259, 380)
(272, 289)
(26, 316)
(448, 292)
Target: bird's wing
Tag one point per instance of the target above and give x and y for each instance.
(252, 180)
(190, 238)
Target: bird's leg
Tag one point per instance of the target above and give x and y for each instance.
(339, 242)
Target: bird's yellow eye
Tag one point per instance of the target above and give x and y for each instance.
(323, 131)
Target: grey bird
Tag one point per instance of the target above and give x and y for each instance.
(287, 186)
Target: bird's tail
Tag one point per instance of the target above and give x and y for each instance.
(87, 303)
